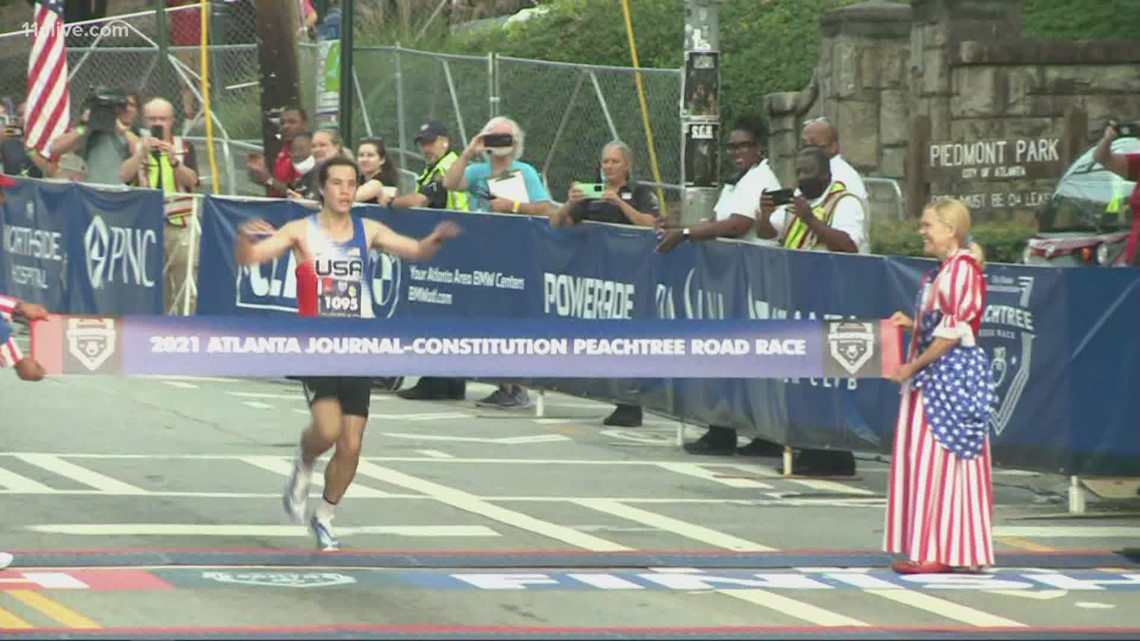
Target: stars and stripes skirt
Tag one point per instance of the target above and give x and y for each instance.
(9, 353)
(939, 506)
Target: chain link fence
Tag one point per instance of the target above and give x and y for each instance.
(569, 112)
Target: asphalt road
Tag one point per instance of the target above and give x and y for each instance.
(153, 505)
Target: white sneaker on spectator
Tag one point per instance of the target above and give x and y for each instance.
(6, 560)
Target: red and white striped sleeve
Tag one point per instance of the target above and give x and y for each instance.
(7, 306)
(10, 354)
(960, 296)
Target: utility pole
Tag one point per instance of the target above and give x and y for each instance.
(277, 27)
(700, 110)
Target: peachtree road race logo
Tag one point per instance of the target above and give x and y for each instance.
(1007, 326)
(281, 579)
(274, 285)
(91, 340)
(851, 344)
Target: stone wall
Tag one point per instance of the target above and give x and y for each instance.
(963, 65)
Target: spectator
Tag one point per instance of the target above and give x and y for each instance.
(128, 116)
(624, 202)
(379, 179)
(821, 133)
(167, 162)
(502, 184)
(104, 147)
(304, 166)
(1126, 166)
(735, 218)
(823, 216)
(293, 120)
(15, 158)
(435, 145)
(325, 145)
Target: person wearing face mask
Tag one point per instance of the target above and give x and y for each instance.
(304, 165)
(823, 216)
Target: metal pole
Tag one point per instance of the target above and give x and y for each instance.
(162, 37)
(700, 117)
(347, 12)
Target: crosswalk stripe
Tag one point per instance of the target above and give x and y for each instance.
(258, 405)
(54, 610)
(675, 526)
(180, 384)
(58, 465)
(9, 621)
(698, 471)
(793, 608)
(476, 505)
(945, 608)
(18, 483)
(285, 468)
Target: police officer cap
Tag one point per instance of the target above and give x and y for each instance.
(431, 130)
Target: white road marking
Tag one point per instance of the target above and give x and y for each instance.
(285, 468)
(293, 397)
(815, 484)
(1036, 595)
(1062, 532)
(475, 505)
(945, 608)
(18, 484)
(258, 405)
(204, 379)
(508, 440)
(435, 454)
(701, 472)
(676, 526)
(793, 608)
(179, 529)
(57, 465)
(180, 384)
(422, 416)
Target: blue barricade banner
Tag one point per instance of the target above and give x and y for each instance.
(1061, 341)
(283, 346)
(83, 250)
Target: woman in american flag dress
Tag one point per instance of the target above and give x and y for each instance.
(940, 499)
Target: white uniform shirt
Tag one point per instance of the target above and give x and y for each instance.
(743, 198)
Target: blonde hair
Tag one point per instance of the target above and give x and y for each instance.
(954, 213)
(334, 138)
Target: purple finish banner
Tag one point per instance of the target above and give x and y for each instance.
(549, 348)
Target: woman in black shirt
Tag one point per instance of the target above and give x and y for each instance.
(622, 201)
(379, 177)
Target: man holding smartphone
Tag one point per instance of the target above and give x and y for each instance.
(167, 162)
(1126, 166)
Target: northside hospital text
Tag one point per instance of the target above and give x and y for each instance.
(481, 346)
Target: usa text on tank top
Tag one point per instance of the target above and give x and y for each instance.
(336, 281)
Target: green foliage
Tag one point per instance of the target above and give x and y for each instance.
(1080, 20)
(1002, 242)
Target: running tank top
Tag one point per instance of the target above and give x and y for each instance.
(336, 281)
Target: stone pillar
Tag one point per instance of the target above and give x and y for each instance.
(858, 86)
(939, 25)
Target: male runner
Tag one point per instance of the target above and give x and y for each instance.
(26, 368)
(339, 404)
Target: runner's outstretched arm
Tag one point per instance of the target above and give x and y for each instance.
(384, 238)
(252, 252)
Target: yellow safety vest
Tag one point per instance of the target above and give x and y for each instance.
(179, 205)
(798, 236)
(456, 200)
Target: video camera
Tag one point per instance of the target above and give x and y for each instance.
(105, 106)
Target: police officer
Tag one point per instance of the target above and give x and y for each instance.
(435, 145)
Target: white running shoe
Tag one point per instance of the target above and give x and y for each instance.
(326, 540)
(296, 495)
(6, 560)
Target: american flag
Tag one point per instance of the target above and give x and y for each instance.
(49, 101)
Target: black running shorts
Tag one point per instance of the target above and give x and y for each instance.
(354, 393)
